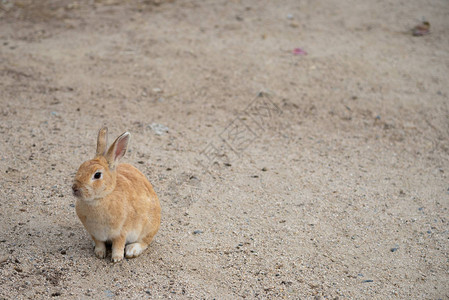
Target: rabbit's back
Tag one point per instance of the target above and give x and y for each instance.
(130, 180)
(143, 204)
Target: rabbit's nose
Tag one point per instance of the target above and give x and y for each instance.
(76, 190)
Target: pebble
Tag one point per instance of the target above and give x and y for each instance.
(368, 280)
(197, 231)
(394, 249)
(109, 293)
(3, 259)
(158, 129)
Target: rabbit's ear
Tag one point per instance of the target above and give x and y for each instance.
(102, 141)
(117, 150)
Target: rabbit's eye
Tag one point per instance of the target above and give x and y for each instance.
(97, 175)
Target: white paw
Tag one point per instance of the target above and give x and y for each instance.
(133, 250)
(117, 258)
(100, 252)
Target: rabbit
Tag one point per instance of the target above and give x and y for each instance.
(116, 202)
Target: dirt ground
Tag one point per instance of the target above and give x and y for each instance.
(320, 172)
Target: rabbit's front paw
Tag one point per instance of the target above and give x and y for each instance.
(117, 258)
(118, 247)
(100, 251)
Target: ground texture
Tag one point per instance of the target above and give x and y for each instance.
(320, 172)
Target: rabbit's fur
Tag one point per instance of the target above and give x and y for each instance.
(115, 202)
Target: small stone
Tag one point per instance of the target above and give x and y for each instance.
(264, 169)
(158, 129)
(197, 231)
(108, 293)
(394, 249)
(3, 259)
(368, 280)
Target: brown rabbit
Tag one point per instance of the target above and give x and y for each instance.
(115, 202)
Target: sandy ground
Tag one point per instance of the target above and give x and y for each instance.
(280, 176)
